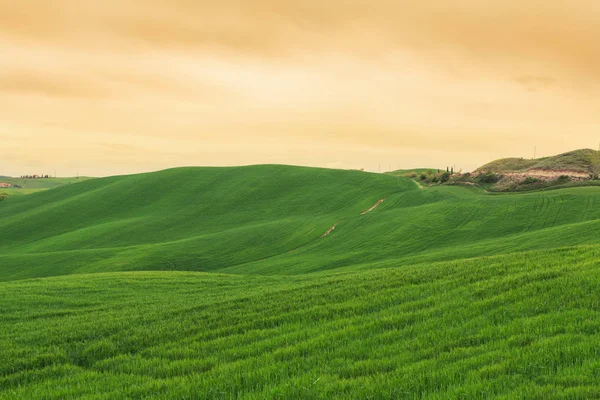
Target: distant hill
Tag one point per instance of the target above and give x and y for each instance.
(42, 183)
(574, 168)
(407, 172)
(22, 186)
(585, 161)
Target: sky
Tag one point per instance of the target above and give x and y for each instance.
(113, 87)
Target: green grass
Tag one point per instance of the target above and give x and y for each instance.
(270, 219)
(48, 183)
(186, 219)
(29, 186)
(520, 326)
(219, 283)
(11, 192)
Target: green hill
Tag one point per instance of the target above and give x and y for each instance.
(585, 160)
(271, 219)
(508, 165)
(186, 219)
(289, 282)
(42, 183)
(417, 171)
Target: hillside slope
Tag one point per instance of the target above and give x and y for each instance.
(585, 161)
(190, 218)
(277, 220)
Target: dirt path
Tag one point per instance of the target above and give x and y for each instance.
(329, 231)
(362, 213)
(372, 208)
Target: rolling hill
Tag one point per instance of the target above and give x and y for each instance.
(29, 186)
(572, 169)
(271, 220)
(188, 219)
(413, 171)
(289, 282)
(585, 161)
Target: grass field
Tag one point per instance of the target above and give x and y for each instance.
(11, 192)
(269, 220)
(231, 283)
(29, 186)
(47, 183)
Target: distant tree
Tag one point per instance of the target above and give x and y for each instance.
(445, 177)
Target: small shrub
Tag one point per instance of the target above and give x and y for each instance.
(489, 177)
(530, 180)
(562, 179)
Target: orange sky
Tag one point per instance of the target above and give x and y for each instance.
(110, 87)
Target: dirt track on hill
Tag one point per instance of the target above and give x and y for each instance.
(362, 213)
(329, 231)
(374, 207)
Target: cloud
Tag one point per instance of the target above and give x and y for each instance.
(535, 83)
(560, 33)
(45, 84)
(272, 81)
